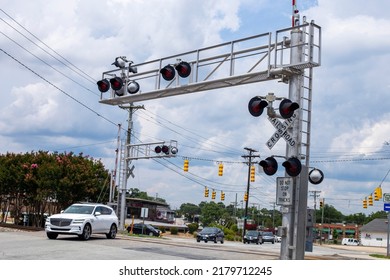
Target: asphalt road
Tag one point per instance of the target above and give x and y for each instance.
(23, 245)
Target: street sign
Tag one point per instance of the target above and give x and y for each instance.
(386, 197)
(284, 188)
(386, 207)
(281, 131)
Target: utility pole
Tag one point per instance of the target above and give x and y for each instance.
(127, 171)
(249, 157)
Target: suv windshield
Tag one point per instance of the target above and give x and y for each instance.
(209, 230)
(79, 209)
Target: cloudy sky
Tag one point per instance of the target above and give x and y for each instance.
(53, 52)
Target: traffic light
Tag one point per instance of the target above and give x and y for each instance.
(365, 203)
(220, 169)
(293, 166)
(222, 196)
(256, 106)
(270, 165)
(379, 192)
(245, 196)
(321, 203)
(376, 196)
(185, 166)
(213, 194)
(252, 173)
(183, 70)
(287, 108)
(166, 150)
(206, 192)
(370, 202)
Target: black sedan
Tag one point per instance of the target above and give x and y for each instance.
(211, 234)
(252, 236)
(143, 229)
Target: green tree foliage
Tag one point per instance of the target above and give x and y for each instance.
(43, 182)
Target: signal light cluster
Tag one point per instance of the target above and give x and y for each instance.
(370, 200)
(257, 105)
(183, 69)
(167, 150)
(118, 86)
(292, 165)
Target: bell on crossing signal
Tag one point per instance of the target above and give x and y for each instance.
(183, 69)
(103, 85)
(132, 87)
(185, 166)
(316, 176)
(270, 165)
(206, 192)
(168, 72)
(287, 108)
(252, 173)
(220, 169)
(293, 166)
(256, 106)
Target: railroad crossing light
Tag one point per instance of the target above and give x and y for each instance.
(287, 108)
(321, 203)
(213, 194)
(117, 85)
(183, 69)
(270, 166)
(370, 202)
(256, 106)
(168, 72)
(222, 196)
(245, 196)
(220, 169)
(365, 203)
(293, 166)
(206, 192)
(166, 150)
(185, 166)
(103, 85)
(252, 175)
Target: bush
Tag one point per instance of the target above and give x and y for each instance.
(174, 230)
(193, 227)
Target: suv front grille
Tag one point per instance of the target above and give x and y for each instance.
(60, 222)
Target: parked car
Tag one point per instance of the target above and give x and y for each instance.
(83, 220)
(252, 236)
(210, 234)
(267, 236)
(350, 241)
(146, 229)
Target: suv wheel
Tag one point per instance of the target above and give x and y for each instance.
(52, 235)
(113, 232)
(87, 231)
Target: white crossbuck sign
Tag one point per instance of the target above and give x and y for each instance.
(281, 131)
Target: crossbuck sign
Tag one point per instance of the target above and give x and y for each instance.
(281, 131)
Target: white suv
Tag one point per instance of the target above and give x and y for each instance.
(83, 220)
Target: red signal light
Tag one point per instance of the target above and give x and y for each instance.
(103, 85)
(293, 166)
(183, 69)
(256, 106)
(287, 108)
(168, 72)
(165, 149)
(270, 166)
